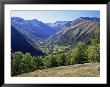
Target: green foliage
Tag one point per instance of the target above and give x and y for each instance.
(16, 63)
(27, 63)
(38, 62)
(62, 60)
(93, 53)
(79, 56)
(22, 63)
(82, 53)
(50, 61)
(93, 50)
(53, 62)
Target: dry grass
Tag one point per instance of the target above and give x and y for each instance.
(78, 70)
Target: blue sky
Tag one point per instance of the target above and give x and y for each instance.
(52, 16)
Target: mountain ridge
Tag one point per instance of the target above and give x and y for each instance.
(61, 32)
(79, 30)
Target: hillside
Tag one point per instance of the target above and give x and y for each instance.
(20, 43)
(80, 29)
(62, 34)
(33, 29)
(78, 42)
(79, 70)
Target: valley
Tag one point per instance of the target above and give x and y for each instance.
(41, 36)
(36, 45)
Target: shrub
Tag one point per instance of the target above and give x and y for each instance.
(79, 56)
(46, 61)
(27, 63)
(16, 59)
(93, 53)
(53, 61)
(37, 63)
(70, 57)
(63, 59)
(22, 63)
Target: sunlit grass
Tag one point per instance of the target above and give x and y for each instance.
(78, 70)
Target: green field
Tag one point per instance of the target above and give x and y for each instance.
(78, 70)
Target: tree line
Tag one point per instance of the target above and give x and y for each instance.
(84, 52)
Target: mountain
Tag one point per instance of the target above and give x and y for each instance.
(58, 25)
(80, 29)
(20, 43)
(40, 36)
(33, 29)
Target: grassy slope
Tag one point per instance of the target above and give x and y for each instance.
(78, 70)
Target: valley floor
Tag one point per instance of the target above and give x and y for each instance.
(78, 70)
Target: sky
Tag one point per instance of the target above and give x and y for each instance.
(52, 16)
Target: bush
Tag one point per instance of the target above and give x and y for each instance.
(62, 60)
(79, 56)
(22, 63)
(46, 61)
(70, 57)
(50, 61)
(93, 53)
(27, 61)
(16, 59)
(38, 63)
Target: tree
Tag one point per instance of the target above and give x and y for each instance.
(79, 56)
(16, 60)
(37, 63)
(62, 59)
(70, 57)
(93, 53)
(27, 63)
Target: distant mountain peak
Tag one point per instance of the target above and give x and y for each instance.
(17, 19)
(88, 18)
(35, 20)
